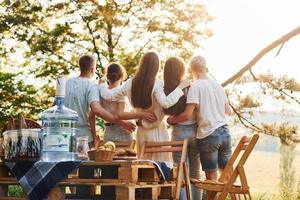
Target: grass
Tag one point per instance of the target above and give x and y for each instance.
(15, 191)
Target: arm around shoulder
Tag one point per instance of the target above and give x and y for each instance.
(164, 100)
(115, 93)
(102, 113)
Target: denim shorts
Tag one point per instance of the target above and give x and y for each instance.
(215, 149)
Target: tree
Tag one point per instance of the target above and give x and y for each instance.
(46, 38)
(55, 34)
(18, 97)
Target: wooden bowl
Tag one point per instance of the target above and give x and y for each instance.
(101, 155)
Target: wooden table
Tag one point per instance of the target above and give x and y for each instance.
(118, 179)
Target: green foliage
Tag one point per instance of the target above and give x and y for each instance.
(55, 34)
(15, 190)
(18, 97)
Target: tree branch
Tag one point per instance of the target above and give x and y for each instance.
(274, 44)
(244, 121)
(93, 40)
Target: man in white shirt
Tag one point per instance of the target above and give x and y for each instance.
(209, 100)
(82, 95)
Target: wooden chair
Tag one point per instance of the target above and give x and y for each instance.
(234, 170)
(173, 146)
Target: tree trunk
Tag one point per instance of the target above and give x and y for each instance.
(287, 170)
(110, 44)
(263, 52)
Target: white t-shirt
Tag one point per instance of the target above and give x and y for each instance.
(112, 105)
(211, 100)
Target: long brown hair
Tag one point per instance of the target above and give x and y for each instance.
(174, 72)
(143, 81)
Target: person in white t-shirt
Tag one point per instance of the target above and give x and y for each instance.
(208, 98)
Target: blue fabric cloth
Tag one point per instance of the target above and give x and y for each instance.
(37, 178)
(165, 169)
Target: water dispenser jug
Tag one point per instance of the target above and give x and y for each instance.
(58, 126)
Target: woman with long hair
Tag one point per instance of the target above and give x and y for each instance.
(145, 93)
(174, 73)
(115, 74)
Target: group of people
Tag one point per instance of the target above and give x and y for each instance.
(196, 109)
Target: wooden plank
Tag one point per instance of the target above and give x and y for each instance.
(163, 149)
(12, 198)
(167, 192)
(103, 163)
(3, 173)
(187, 181)
(169, 143)
(123, 193)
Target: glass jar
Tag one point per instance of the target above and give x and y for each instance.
(82, 147)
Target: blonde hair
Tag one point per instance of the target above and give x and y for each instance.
(197, 63)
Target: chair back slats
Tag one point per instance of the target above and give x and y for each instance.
(248, 150)
(172, 146)
(245, 146)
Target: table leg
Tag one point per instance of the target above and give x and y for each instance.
(3, 173)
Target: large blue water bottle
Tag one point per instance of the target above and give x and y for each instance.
(59, 124)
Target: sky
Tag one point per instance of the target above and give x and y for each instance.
(244, 27)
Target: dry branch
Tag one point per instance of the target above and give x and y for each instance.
(263, 52)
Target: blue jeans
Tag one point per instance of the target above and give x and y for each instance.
(179, 133)
(116, 133)
(215, 149)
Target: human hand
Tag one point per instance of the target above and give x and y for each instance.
(101, 81)
(127, 125)
(149, 116)
(170, 120)
(184, 83)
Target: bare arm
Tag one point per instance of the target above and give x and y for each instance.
(185, 115)
(115, 93)
(98, 110)
(228, 110)
(92, 120)
(107, 116)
